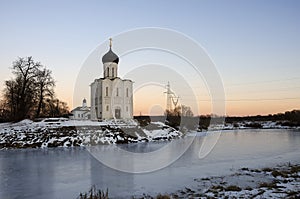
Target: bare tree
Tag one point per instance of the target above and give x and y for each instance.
(11, 95)
(4, 112)
(56, 108)
(30, 93)
(45, 84)
(25, 70)
(186, 111)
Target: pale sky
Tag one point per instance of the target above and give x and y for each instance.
(255, 45)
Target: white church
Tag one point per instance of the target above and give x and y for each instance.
(81, 112)
(111, 96)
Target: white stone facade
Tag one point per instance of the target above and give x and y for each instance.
(111, 96)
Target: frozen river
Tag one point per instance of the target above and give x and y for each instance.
(65, 172)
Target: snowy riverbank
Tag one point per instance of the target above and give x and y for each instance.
(282, 181)
(60, 132)
(77, 170)
(253, 125)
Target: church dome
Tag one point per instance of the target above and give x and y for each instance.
(110, 56)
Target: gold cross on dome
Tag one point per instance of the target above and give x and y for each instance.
(110, 42)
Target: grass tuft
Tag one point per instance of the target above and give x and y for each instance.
(217, 187)
(233, 188)
(271, 185)
(245, 169)
(276, 173)
(93, 193)
(295, 169)
(159, 196)
(267, 169)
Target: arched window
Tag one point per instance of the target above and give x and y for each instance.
(126, 92)
(106, 91)
(127, 108)
(107, 72)
(107, 108)
(113, 72)
(117, 92)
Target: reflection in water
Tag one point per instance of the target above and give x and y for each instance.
(24, 170)
(64, 173)
(143, 160)
(42, 173)
(115, 181)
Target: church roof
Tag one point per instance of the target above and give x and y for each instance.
(110, 56)
(80, 108)
(112, 79)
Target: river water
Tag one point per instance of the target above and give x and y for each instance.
(65, 172)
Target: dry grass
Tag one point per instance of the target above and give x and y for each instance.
(93, 193)
(233, 188)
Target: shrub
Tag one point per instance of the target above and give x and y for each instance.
(233, 188)
(267, 169)
(295, 169)
(272, 185)
(278, 173)
(159, 196)
(254, 125)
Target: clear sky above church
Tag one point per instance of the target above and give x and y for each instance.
(254, 44)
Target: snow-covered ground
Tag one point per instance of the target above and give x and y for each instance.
(58, 132)
(251, 124)
(280, 182)
(54, 132)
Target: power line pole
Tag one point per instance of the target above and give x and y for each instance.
(171, 98)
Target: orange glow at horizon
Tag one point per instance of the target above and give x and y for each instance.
(232, 108)
(246, 108)
(152, 101)
(149, 100)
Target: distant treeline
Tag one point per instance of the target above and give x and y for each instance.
(289, 118)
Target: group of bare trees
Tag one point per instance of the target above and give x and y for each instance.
(174, 116)
(182, 110)
(30, 93)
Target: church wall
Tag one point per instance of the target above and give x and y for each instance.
(96, 101)
(110, 69)
(106, 99)
(127, 99)
(93, 92)
(99, 100)
(118, 96)
(80, 115)
(111, 97)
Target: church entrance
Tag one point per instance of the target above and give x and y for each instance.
(118, 113)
